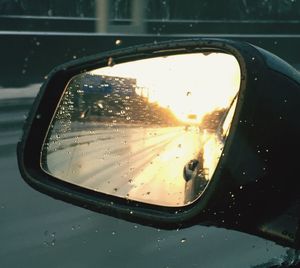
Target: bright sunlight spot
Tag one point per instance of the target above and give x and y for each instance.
(190, 85)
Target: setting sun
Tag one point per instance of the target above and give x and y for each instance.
(190, 85)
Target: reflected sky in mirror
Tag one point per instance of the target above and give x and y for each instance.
(151, 130)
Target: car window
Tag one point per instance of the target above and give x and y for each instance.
(39, 231)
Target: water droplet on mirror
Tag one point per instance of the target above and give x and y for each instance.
(110, 62)
(118, 42)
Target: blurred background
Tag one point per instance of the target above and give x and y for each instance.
(151, 16)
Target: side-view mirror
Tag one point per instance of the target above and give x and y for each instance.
(172, 134)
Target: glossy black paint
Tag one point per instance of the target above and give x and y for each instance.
(253, 184)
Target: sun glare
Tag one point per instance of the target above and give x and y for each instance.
(190, 85)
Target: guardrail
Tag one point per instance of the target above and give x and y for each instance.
(88, 25)
(27, 57)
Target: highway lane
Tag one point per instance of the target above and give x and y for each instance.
(141, 163)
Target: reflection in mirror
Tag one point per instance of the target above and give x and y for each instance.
(150, 130)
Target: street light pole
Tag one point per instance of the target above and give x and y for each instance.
(136, 23)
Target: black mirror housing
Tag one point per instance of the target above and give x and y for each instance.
(254, 187)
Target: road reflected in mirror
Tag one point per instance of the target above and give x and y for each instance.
(150, 130)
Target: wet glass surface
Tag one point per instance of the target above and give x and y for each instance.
(132, 129)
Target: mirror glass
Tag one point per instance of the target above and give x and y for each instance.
(150, 130)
